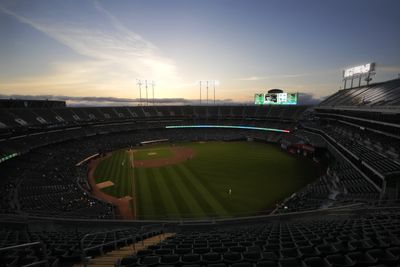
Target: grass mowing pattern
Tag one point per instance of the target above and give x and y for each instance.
(258, 174)
(117, 169)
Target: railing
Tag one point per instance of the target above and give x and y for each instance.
(45, 261)
(100, 247)
(134, 236)
(353, 160)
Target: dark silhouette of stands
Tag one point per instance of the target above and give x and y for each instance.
(379, 95)
(348, 217)
(11, 118)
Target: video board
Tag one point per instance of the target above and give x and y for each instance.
(275, 99)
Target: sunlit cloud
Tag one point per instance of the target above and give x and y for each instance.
(391, 69)
(260, 78)
(114, 56)
(114, 101)
(253, 78)
(108, 46)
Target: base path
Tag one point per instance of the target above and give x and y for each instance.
(123, 205)
(179, 154)
(105, 184)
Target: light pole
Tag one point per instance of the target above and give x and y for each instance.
(208, 83)
(200, 92)
(152, 86)
(207, 93)
(139, 84)
(147, 96)
(214, 91)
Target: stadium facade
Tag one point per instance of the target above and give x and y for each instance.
(349, 216)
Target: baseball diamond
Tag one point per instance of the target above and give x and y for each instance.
(202, 180)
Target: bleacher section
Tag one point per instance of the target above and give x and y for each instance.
(347, 237)
(64, 245)
(336, 240)
(348, 217)
(375, 96)
(364, 124)
(341, 185)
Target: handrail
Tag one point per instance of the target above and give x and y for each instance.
(134, 236)
(21, 246)
(331, 141)
(27, 245)
(113, 242)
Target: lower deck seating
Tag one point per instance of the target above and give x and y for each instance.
(363, 237)
(372, 239)
(62, 246)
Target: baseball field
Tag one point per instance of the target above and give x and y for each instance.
(199, 180)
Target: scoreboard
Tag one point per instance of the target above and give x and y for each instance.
(275, 99)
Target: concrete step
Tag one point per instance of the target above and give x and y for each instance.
(110, 258)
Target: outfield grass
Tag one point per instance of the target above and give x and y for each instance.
(116, 168)
(258, 174)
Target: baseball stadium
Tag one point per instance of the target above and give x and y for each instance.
(116, 152)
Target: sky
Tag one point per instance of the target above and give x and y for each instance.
(99, 48)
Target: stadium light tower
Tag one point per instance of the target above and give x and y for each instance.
(207, 93)
(200, 92)
(214, 91)
(152, 87)
(215, 82)
(147, 95)
(139, 84)
(208, 84)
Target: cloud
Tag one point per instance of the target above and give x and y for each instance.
(112, 55)
(303, 99)
(259, 78)
(309, 99)
(253, 78)
(111, 101)
(392, 69)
